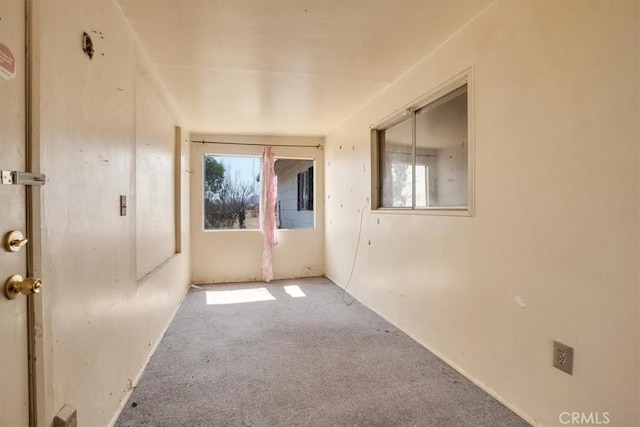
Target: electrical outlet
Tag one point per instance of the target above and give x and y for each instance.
(563, 357)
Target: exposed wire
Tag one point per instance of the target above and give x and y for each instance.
(355, 257)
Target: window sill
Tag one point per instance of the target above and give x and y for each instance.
(256, 230)
(448, 211)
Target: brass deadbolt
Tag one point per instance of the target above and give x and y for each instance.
(14, 241)
(16, 285)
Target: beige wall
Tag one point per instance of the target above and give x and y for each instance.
(100, 323)
(235, 256)
(155, 176)
(556, 211)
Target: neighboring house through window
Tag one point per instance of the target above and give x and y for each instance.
(232, 192)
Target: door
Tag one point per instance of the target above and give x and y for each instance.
(14, 377)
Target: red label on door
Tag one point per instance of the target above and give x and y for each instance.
(7, 63)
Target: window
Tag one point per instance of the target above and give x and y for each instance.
(232, 193)
(305, 190)
(295, 193)
(423, 156)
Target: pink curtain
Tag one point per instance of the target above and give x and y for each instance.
(268, 194)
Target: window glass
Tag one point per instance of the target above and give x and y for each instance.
(397, 161)
(424, 158)
(441, 147)
(305, 189)
(422, 186)
(232, 193)
(294, 206)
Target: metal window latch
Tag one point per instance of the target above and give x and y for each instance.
(21, 178)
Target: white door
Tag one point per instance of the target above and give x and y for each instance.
(14, 379)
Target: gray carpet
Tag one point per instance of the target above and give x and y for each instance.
(305, 361)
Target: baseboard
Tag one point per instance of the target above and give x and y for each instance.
(458, 369)
(480, 384)
(253, 279)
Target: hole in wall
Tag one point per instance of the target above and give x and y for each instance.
(87, 45)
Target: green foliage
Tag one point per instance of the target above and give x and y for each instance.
(213, 176)
(227, 197)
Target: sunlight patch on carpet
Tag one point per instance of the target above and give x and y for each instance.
(238, 296)
(294, 291)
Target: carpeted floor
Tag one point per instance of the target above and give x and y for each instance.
(298, 361)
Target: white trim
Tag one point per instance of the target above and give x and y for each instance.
(436, 211)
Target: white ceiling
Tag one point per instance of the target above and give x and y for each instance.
(286, 66)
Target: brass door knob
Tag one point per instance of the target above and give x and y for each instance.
(16, 285)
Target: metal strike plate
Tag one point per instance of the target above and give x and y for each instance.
(22, 178)
(6, 177)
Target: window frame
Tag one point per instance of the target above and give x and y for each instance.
(408, 112)
(312, 192)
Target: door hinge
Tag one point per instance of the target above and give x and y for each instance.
(21, 178)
